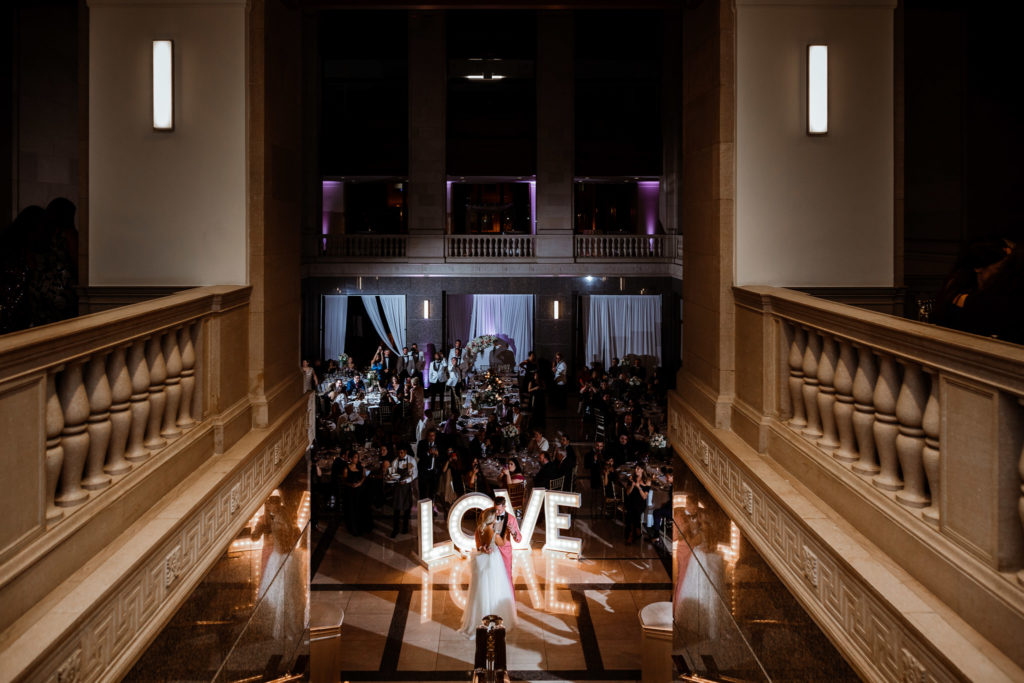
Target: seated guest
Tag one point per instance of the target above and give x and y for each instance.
(637, 370)
(518, 421)
(350, 367)
(474, 478)
(567, 464)
(626, 426)
(491, 430)
(607, 478)
(512, 473)
(548, 471)
(623, 450)
(355, 385)
(538, 444)
(451, 425)
(395, 390)
(504, 410)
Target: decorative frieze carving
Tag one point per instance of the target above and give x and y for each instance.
(874, 633)
(119, 626)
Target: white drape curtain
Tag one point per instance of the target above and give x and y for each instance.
(507, 315)
(394, 311)
(621, 325)
(335, 323)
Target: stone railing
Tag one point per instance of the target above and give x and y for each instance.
(91, 405)
(360, 246)
(485, 247)
(923, 423)
(626, 247)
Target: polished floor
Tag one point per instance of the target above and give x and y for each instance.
(578, 618)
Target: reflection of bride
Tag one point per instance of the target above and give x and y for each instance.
(283, 582)
(489, 589)
(700, 612)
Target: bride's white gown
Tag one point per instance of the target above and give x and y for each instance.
(489, 592)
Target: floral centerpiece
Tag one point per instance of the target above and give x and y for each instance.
(342, 359)
(510, 431)
(371, 378)
(635, 381)
(657, 441)
(484, 398)
(347, 426)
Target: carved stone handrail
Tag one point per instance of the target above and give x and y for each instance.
(626, 247)
(930, 418)
(370, 247)
(93, 404)
(487, 247)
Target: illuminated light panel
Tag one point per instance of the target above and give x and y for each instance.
(523, 563)
(817, 89)
(556, 521)
(426, 598)
(459, 577)
(553, 580)
(529, 523)
(485, 77)
(429, 552)
(470, 501)
(556, 309)
(731, 552)
(426, 309)
(163, 85)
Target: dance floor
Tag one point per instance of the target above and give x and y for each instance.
(578, 618)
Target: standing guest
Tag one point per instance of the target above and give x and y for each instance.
(636, 502)
(637, 370)
(437, 375)
(454, 382)
(389, 365)
(403, 471)
(424, 426)
(356, 511)
(415, 397)
(377, 363)
(614, 368)
(568, 463)
(429, 467)
(560, 375)
(526, 370)
(594, 460)
(456, 351)
(538, 409)
(623, 450)
(626, 426)
(415, 368)
(452, 483)
(309, 380)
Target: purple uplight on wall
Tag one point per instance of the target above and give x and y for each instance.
(533, 207)
(647, 203)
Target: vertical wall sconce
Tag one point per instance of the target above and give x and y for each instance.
(163, 85)
(426, 309)
(817, 89)
(556, 309)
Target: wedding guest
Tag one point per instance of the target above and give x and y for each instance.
(567, 464)
(594, 460)
(452, 484)
(429, 467)
(538, 444)
(415, 369)
(424, 426)
(560, 377)
(623, 450)
(527, 368)
(309, 380)
(636, 502)
(415, 397)
(353, 500)
(548, 471)
(454, 382)
(350, 367)
(504, 410)
(355, 385)
(626, 426)
(538, 409)
(389, 365)
(377, 362)
(511, 473)
(637, 370)
(456, 351)
(403, 471)
(491, 430)
(437, 375)
(474, 478)
(451, 425)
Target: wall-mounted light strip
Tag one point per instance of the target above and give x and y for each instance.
(426, 309)
(817, 89)
(556, 309)
(163, 85)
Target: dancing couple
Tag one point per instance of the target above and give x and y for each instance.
(491, 590)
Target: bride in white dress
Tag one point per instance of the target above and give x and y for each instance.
(489, 589)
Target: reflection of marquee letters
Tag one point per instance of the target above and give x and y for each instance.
(431, 554)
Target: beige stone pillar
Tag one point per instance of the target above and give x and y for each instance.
(427, 104)
(555, 132)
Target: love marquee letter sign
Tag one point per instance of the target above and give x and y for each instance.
(555, 521)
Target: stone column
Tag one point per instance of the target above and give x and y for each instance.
(555, 132)
(427, 101)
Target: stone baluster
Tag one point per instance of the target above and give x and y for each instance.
(120, 418)
(864, 381)
(827, 392)
(138, 370)
(54, 451)
(812, 352)
(74, 402)
(931, 423)
(798, 420)
(910, 406)
(188, 376)
(172, 386)
(157, 396)
(886, 425)
(843, 408)
(97, 388)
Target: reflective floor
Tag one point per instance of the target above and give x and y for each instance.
(578, 618)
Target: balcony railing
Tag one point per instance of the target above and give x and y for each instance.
(361, 246)
(926, 423)
(486, 247)
(91, 406)
(626, 247)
